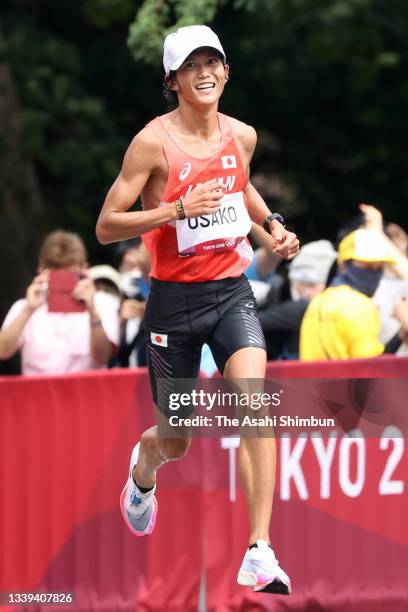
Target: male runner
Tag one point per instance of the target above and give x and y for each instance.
(190, 167)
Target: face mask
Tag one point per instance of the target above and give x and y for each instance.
(362, 279)
(130, 283)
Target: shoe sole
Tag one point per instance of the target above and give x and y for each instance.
(273, 586)
(276, 586)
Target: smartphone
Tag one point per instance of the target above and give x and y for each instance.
(61, 284)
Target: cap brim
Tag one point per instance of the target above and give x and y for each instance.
(176, 65)
(386, 259)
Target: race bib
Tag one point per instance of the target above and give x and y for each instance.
(221, 231)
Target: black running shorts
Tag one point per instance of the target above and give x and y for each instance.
(181, 317)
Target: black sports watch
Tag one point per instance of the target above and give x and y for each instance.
(271, 218)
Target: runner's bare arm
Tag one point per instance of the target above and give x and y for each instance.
(115, 221)
(141, 161)
(285, 244)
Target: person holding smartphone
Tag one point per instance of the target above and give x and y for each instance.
(63, 324)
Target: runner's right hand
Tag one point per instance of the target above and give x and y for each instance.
(204, 199)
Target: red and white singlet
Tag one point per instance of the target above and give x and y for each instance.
(210, 247)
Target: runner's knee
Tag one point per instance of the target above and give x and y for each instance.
(148, 439)
(174, 448)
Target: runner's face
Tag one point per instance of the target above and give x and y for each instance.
(201, 78)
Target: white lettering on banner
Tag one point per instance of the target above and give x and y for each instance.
(220, 231)
(387, 486)
(232, 443)
(290, 467)
(325, 455)
(350, 488)
(228, 181)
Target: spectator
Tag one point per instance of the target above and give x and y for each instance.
(134, 267)
(373, 220)
(394, 282)
(343, 321)
(67, 340)
(262, 270)
(281, 322)
(133, 263)
(107, 279)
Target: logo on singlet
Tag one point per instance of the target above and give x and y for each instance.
(228, 161)
(229, 182)
(185, 171)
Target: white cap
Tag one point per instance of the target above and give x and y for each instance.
(179, 45)
(105, 272)
(313, 263)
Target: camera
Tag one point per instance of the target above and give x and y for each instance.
(131, 285)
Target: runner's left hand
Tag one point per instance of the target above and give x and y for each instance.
(285, 244)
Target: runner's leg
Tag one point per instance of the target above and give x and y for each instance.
(173, 358)
(155, 451)
(257, 455)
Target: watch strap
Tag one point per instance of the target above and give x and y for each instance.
(270, 218)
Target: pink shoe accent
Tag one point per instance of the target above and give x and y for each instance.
(264, 579)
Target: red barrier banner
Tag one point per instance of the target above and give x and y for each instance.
(338, 528)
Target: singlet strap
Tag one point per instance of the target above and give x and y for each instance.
(171, 145)
(158, 126)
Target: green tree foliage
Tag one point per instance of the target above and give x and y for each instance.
(157, 18)
(67, 131)
(104, 13)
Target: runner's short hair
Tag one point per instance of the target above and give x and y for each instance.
(168, 93)
(62, 249)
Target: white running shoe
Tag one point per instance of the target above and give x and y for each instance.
(139, 510)
(260, 569)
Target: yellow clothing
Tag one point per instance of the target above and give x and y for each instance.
(340, 323)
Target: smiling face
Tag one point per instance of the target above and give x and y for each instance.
(201, 78)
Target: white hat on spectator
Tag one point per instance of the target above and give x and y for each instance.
(312, 264)
(178, 45)
(107, 273)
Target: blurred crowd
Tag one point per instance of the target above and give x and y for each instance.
(345, 300)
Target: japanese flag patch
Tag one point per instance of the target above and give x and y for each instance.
(158, 339)
(228, 161)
